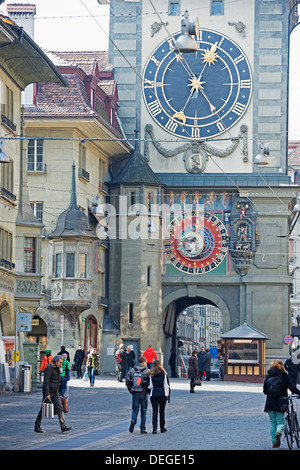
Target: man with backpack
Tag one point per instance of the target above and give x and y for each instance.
(137, 381)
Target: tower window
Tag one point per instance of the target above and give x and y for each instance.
(130, 320)
(217, 7)
(174, 8)
(149, 276)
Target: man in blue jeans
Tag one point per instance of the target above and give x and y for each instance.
(137, 381)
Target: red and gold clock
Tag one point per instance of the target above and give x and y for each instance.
(196, 242)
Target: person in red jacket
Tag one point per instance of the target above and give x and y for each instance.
(149, 354)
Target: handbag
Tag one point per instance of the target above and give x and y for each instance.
(47, 410)
(197, 381)
(64, 402)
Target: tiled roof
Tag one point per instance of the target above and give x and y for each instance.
(21, 8)
(86, 60)
(294, 157)
(53, 100)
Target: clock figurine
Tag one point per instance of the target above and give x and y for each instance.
(201, 94)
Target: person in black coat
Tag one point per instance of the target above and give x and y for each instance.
(63, 351)
(274, 404)
(291, 365)
(78, 360)
(50, 392)
(159, 395)
(193, 371)
(130, 358)
(202, 357)
(172, 362)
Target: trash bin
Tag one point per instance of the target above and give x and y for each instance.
(25, 376)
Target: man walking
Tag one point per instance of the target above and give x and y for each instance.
(137, 381)
(50, 392)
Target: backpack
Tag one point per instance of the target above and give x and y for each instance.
(118, 359)
(274, 386)
(138, 381)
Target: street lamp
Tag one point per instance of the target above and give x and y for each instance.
(186, 42)
(4, 158)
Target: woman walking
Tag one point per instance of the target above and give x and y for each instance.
(276, 387)
(159, 395)
(193, 371)
(93, 365)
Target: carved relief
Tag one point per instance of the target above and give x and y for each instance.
(196, 154)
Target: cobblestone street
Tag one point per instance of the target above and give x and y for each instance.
(219, 416)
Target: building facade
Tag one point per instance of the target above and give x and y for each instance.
(213, 127)
(19, 288)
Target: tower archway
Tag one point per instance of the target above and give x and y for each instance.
(180, 299)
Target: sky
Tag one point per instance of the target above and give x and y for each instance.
(83, 25)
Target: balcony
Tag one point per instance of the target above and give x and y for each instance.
(71, 294)
(7, 195)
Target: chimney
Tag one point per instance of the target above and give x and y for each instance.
(23, 15)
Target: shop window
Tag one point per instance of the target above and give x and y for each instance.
(243, 350)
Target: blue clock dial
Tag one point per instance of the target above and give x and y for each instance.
(197, 95)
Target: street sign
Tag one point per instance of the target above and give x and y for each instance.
(288, 339)
(24, 321)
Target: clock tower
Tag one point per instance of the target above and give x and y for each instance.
(213, 123)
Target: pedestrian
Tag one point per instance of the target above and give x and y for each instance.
(64, 375)
(201, 361)
(93, 365)
(121, 360)
(172, 362)
(137, 381)
(159, 395)
(78, 361)
(208, 365)
(63, 351)
(274, 405)
(45, 362)
(193, 371)
(50, 392)
(291, 365)
(149, 354)
(130, 358)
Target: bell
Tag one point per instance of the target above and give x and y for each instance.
(186, 42)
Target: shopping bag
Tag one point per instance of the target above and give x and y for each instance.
(47, 410)
(86, 376)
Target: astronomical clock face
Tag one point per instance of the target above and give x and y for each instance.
(201, 94)
(196, 242)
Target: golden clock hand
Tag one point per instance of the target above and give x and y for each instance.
(212, 107)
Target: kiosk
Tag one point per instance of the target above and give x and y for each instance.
(244, 350)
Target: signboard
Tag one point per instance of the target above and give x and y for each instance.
(288, 339)
(24, 321)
